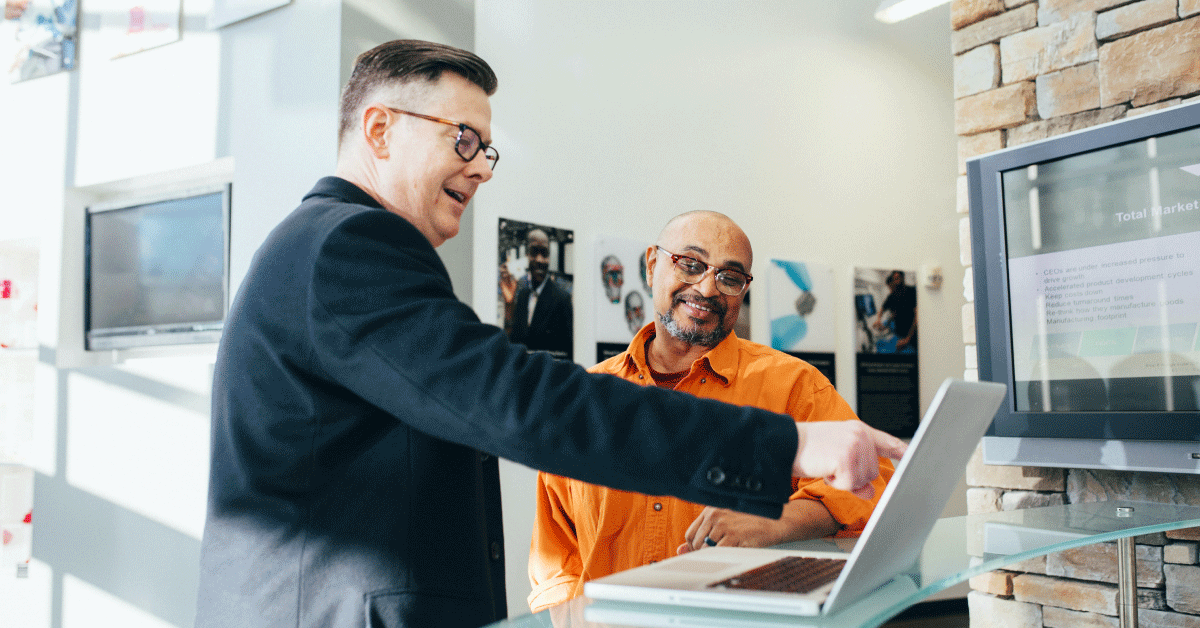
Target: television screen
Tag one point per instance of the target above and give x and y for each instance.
(1086, 252)
(1103, 255)
(156, 270)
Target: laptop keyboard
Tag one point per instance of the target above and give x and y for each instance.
(791, 574)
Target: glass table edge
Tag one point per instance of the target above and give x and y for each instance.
(936, 582)
(872, 612)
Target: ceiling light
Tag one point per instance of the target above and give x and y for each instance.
(892, 11)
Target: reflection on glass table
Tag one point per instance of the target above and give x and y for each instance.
(957, 549)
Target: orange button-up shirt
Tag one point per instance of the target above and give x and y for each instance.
(583, 531)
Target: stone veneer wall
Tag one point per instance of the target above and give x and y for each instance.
(1026, 70)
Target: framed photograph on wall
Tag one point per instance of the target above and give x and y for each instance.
(18, 357)
(885, 333)
(133, 26)
(622, 296)
(536, 278)
(38, 37)
(226, 12)
(18, 294)
(800, 299)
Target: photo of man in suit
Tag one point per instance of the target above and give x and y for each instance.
(537, 310)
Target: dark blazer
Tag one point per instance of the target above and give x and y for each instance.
(553, 321)
(352, 396)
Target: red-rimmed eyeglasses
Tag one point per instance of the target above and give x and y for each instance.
(730, 281)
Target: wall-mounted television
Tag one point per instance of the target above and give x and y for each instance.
(1086, 252)
(155, 268)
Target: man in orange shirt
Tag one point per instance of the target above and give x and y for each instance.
(698, 272)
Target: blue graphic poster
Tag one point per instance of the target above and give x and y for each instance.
(800, 307)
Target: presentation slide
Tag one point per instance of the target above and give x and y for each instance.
(1124, 309)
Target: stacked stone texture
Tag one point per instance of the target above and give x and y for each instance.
(1025, 70)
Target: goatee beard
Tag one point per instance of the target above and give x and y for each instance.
(708, 339)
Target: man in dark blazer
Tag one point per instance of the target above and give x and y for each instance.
(549, 327)
(358, 406)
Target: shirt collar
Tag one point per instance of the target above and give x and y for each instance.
(537, 290)
(342, 189)
(721, 360)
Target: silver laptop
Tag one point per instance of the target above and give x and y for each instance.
(891, 542)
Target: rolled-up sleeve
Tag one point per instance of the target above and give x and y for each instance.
(554, 558)
(852, 512)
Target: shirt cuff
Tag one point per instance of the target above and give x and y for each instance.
(553, 591)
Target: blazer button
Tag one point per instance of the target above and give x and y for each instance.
(496, 550)
(716, 475)
(755, 485)
(657, 506)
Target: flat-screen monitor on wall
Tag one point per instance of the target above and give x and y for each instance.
(156, 269)
(1086, 252)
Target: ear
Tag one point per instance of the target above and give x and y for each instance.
(651, 260)
(375, 123)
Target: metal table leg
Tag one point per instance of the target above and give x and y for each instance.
(1127, 609)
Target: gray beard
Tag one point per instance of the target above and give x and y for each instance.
(708, 339)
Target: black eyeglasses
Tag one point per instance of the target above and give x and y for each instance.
(729, 281)
(468, 144)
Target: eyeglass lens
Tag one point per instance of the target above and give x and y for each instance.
(469, 143)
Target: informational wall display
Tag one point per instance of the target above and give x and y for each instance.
(18, 294)
(38, 37)
(534, 286)
(16, 521)
(136, 26)
(886, 325)
(17, 373)
(18, 348)
(799, 300)
(1104, 278)
(622, 296)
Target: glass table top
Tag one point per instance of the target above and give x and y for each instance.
(957, 549)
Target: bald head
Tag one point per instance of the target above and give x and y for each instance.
(703, 228)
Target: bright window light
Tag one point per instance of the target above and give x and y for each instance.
(892, 11)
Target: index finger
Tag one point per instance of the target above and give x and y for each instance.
(866, 491)
(695, 526)
(888, 446)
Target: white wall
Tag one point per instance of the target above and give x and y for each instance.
(827, 136)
